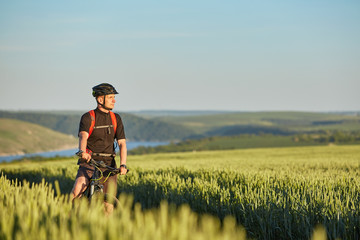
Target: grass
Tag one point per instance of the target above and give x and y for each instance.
(270, 193)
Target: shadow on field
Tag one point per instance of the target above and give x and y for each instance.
(65, 181)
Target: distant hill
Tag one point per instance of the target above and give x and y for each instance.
(19, 137)
(255, 141)
(136, 128)
(180, 125)
(64, 123)
(140, 129)
(278, 123)
(175, 113)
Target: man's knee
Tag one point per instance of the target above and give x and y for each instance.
(79, 187)
(108, 207)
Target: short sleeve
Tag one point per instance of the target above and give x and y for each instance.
(120, 132)
(85, 122)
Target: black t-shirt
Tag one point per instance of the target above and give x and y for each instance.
(102, 139)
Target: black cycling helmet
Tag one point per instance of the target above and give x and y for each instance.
(103, 89)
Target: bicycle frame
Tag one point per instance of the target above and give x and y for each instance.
(95, 185)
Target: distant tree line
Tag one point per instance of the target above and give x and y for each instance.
(329, 137)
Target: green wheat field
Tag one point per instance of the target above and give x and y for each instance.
(272, 193)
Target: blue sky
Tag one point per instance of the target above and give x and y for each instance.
(181, 55)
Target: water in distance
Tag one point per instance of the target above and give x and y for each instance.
(71, 152)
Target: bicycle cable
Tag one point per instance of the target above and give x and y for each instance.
(102, 175)
(107, 177)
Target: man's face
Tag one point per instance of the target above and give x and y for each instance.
(110, 101)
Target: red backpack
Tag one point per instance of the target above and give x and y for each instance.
(92, 114)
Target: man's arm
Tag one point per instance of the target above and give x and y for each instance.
(83, 136)
(123, 154)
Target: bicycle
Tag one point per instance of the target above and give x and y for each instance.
(95, 188)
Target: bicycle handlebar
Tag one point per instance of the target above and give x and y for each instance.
(103, 165)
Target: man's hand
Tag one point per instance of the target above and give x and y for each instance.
(123, 169)
(86, 156)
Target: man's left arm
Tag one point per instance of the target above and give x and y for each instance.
(123, 155)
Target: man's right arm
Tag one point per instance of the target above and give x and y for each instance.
(83, 136)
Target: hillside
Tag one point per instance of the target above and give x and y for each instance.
(173, 126)
(174, 113)
(140, 129)
(279, 123)
(246, 141)
(19, 137)
(136, 128)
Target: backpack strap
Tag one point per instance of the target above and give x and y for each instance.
(92, 125)
(113, 119)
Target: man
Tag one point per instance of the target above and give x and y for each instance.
(96, 140)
